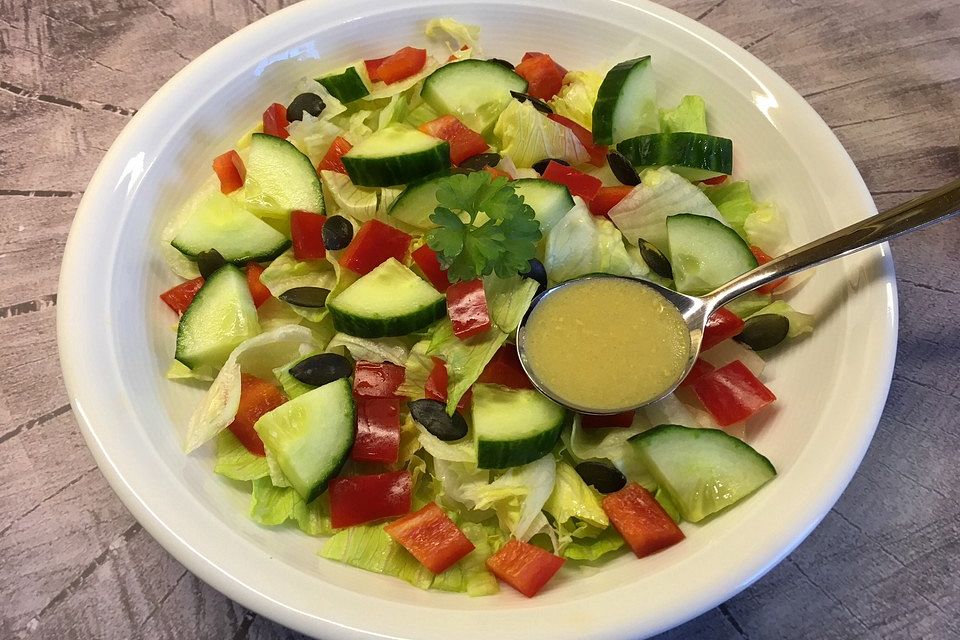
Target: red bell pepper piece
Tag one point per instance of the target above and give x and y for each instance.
(377, 379)
(598, 152)
(721, 325)
(544, 76)
(404, 63)
(617, 420)
(372, 65)
(275, 120)
(523, 566)
(607, 198)
(230, 170)
(378, 430)
(464, 142)
(332, 159)
(426, 259)
(498, 173)
(700, 367)
(467, 308)
(732, 393)
(306, 232)
(431, 537)
(257, 397)
(179, 297)
(375, 243)
(505, 369)
(577, 182)
(258, 290)
(359, 499)
(640, 519)
(763, 258)
(437, 383)
(714, 181)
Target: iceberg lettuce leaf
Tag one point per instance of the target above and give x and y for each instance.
(577, 97)
(527, 136)
(236, 462)
(573, 498)
(800, 323)
(689, 115)
(517, 496)
(470, 574)
(369, 547)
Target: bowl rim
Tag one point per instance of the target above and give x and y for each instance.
(78, 384)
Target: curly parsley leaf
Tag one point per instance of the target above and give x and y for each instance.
(483, 227)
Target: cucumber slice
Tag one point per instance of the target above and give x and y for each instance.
(513, 426)
(221, 316)
(311, 436)
(550, 201)
(396, 154)
(346, 86)
(703, 470)
(417, 202)
(391, 300)
(695, 156)
(705, 253)
(219, 223)
(626, 103)
(280, 179)
(475, 91)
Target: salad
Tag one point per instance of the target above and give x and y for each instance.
(355, 270)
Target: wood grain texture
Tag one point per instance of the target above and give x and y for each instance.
(885, 563)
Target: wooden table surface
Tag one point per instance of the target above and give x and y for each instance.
(885, 563)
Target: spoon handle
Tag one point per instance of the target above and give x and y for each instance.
(917, 213)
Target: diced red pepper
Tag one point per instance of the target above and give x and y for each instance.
(523, 566)
(404, 63)
(763, 258)
(258, 290)
(467, 308)
(359, 499)
(640, 519)
(306, 232)
(275, 120)
(617, 420)
(577, 182)
(607, 198)
(598, 152)
(544, 76)
(505, 369)
(377, 379)
(230, 170)
(375, 243)
(464, 142)
(333, 158)
(426, 259)
(372, 66)
(732, 393)
(700, 367)
(257, 397)
(721, 325)
(431, 537)
(378, 430)
(179, 297)
(498, 173)
(437, 383)
(714, 181)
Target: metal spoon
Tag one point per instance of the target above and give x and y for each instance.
(928, 209)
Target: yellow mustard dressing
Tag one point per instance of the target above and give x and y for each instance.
(607, 344)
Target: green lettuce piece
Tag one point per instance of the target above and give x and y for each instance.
(236, 462)
(356, 202)
(800, 323)
(577, 97)
(286, 272)
(420, 114)
(395, 111)
(749, 304)
(766, 228)
(508, 300)
(573, 498)
(290, 385)
(593, 548)
(273, 506)
(276, 313)
(417, 369)
(470, 574)
(369, 547)
(517, 496)
(455, 33)
(393, 350)
(611, 444)
(689, 115)
(667, 503)
(734, 200)
(527, 136)
(180, 371)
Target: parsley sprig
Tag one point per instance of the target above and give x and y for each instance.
(469, 245)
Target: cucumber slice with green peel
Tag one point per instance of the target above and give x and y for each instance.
(346, 86)
(415, 204)
(280, 179)
(626, 103)
(513, 427)
(396, 154)
(311, 436)
(475, 91)
(391, 300)
(695, 156)
(238, 235)
(705, 253)
(221, 316)
(703, 470)
(550, 201)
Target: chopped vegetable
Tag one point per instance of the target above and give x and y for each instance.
(464, 143)
(275, 120)
(467, 308)
(597, 152)
(332, 160)
(426, 259)
(431, 537)
(375, 243)
(257, 397)
(436, 385)
(378, 430)
(607, 198)
(721, 325)
(230, 171)
(258, 291)
(306, 232)
(179, 297)
(577, 182)
(641, 520)
(524, 567)
(505, 369)
(732, 393)
(361, 499)
(404, 63)
(544, 76)
(377, 379)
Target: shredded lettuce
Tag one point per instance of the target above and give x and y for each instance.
(611, 444)
(236, 462)
(767, 229)
(272, 506)
(577, 97)
(508, 300)
(358, 202)
(277, 478)
(395, 111)
(463, 451)
(286, 272)
(393, 350)
(275, 313)
(800, 323)
(527, 136)
(420, 114)
(517, 496)
(734, 200)
(454, 33)
(730, 350)
(369, 547)
(470, 574)
(355, 125)
(573, 498)
(203, 373)
(417, 369)
(593, 548)
(749, 303)
(689, 115)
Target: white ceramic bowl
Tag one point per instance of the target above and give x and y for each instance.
(116, 339)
